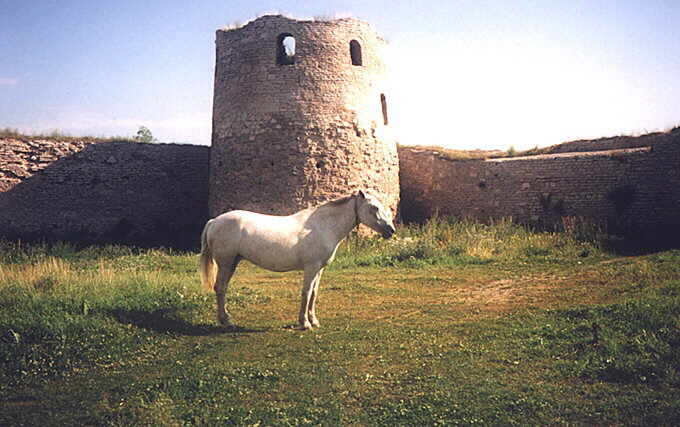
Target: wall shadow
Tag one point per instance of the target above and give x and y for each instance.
(629, 186)
(129, 193)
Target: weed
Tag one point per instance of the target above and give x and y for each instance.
(639, 344)
(447, 242)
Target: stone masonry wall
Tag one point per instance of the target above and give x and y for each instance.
(289, 136)
(156, 194)
(635, 188)
(105, 192)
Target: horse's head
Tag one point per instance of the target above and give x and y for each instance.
(372, 213)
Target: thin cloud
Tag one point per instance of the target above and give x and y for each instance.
(8, 81)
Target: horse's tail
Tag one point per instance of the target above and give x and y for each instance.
(207, 267)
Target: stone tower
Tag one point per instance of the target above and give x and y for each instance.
(300, 116)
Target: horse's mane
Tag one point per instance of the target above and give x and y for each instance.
(340, 201)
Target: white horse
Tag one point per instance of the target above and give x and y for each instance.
(306, 240)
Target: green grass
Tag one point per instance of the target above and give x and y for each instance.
(452, 243)
(449, 323)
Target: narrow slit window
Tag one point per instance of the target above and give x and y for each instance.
(383, 104)
(355, 52)
(285, 49)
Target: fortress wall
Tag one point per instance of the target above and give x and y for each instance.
(156, 194)
(286, 137)
(105, 192)
(633, 188)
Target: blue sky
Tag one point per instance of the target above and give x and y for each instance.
(466, 74)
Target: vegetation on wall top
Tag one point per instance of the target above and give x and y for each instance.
(57, 135)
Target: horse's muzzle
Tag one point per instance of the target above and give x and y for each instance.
(388, 232)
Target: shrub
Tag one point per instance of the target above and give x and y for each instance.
(145, 135)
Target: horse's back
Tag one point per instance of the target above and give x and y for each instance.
(266, 240)
(257, 224)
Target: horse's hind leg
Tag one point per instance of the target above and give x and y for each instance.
(224, 273)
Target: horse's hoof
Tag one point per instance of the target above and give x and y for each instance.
(225, 323)
(306, 326)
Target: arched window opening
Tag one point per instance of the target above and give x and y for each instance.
(383, 103)
(285, 49)
(355, 52)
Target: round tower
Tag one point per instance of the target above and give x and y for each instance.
(300, 116)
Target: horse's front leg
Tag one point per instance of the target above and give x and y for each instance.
(312, 303)
(310, 275)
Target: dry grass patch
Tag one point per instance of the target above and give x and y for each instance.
(452, 154)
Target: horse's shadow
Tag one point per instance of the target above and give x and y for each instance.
(167, 321)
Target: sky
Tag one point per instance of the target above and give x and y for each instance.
(466, 74)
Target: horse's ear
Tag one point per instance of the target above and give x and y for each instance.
(361, 194)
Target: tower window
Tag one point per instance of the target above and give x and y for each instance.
(285, 49)
(383, 103)
(355, 52)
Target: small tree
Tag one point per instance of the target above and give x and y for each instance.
(145, 135)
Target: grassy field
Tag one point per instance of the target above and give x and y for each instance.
(449, 323)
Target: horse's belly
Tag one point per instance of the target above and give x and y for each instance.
(275, 264)
(271, 256)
